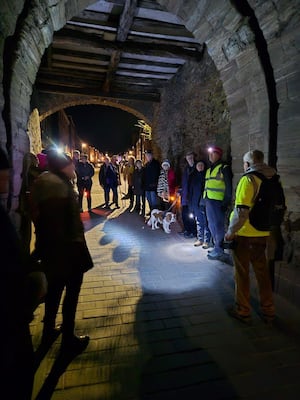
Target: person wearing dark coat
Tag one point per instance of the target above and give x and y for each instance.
(85, 172)
(109, 179)
(189, 226)
(61, 247)
(139, 187)
(197, 205)
(152, 171)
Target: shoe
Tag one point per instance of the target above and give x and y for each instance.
(198, 243)
(207, 246)
(74, 343)
(245, 319)
(183, 233)
(50, 335)
(215, 253)
(117, 206)
(268, 319)
(188, 235)
(125, 197)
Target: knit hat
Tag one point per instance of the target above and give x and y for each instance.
(215, 149)
(58, 161)
(253, 156)
(42, 157)
(166, 163)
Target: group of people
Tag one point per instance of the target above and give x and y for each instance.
(62, 253)
(206, 194)
(150, 181)
(206, 210)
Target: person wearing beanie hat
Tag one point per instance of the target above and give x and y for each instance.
(166, 185)
(215, 149)
(58, 161)
(166, 163)
(217, 195)
(61, 246)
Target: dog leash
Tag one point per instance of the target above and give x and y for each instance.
(172, 205)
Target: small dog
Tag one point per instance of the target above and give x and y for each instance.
(160, 217)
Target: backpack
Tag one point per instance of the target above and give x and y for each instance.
(269, 205)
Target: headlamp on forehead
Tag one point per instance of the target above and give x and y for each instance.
(215, 149)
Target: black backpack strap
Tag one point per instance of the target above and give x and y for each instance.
(256, 187)
(258, 174)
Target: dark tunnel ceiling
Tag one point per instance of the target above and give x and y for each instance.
(117, 49)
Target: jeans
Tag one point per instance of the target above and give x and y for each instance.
(115, 195)
(152, 199)
(216, 222)
(203, 232)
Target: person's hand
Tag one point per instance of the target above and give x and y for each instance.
(229, 236)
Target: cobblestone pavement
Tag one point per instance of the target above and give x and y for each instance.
(154, 308)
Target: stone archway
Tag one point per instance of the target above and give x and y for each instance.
(55, 104)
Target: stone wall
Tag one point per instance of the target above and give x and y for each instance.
(192, 114)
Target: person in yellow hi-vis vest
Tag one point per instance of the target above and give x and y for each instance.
(250, 243)
(217, 195)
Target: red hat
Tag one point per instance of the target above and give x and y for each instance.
(215, 149)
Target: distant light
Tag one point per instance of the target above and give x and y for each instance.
(191, 215)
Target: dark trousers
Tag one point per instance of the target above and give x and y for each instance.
(140, 202)
(115, 194)
(85, 188)
(189, 224)
(56, 285)
(16, 363)
(216, 222)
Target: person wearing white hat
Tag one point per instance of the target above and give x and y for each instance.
(166, 184)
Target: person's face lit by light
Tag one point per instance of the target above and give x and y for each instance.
(190, 159)
(200, 166)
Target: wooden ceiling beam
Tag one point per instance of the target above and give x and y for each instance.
(94, 91)
(157, 49)
(125, 23)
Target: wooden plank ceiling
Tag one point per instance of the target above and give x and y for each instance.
(117, 48)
